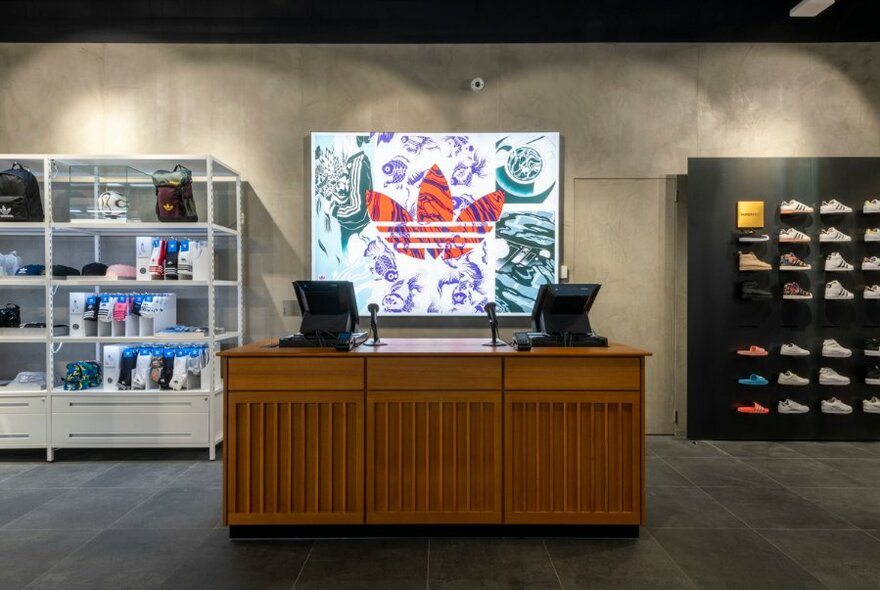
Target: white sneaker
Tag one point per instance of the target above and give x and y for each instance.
(834, 290)
(791, 235)
(836, 263)
(793, 207)
(871, 206)
(871, 263)
(792, 407)
(872, 234)
(789, 378)
(872, 292)
(828, 376)
(831, 348)
(835, 406)
(871, 406)
(833, 206)
(830, 234)
(792, 349)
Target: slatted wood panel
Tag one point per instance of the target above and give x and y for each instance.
(573, 457)
(434, 457)
(295, 457)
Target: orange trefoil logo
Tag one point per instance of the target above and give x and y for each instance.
(434, 231)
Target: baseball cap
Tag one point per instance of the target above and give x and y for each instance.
(121, 271)
(59, 270)
(94, 269)
(31, 270)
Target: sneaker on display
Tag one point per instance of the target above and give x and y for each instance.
(755, 408)
(750, 235)
(872, 234)
(752, 350)
(871, 206)
(752, 379)
(834, 290)
(872, 292)
(833, 206)
(789, 261)
(835, 263)
(748, 261)
(792, 349)
(872, 375)
(835, 406)
(794, 291)
(872, 347)
(830, 234)
(790, 235)
(793, 207)
(750, 291)
(832, 348)
(871, 263)
(871, 406)
(789, 378)
(792, 407)
(828, 376)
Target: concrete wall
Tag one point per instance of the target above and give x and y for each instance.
(629, 115)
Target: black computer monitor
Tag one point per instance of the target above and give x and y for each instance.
(563, 308)
(327, 306)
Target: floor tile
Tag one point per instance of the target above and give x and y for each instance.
(775, 508)
(81, 509)
(719, 471)
(56, 475)
(366, 564)
(661, 473)
(872, 448)
(176, 508)
(615, 564)
(848, 560)
(733, 559)
(859, 506)
(687, 507)
(8, 470)
(802, 473)
(490, 563)
(750, 448)
(866, 471)
(667, 446)
(139, 474)
(24, 555)
(15, 503)
(221, 564)
(828, 450)
(207, 474)
(140, 559)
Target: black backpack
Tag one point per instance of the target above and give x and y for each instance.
(20, 198)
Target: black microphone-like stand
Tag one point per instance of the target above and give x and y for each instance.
(374, 326)
(493, 325)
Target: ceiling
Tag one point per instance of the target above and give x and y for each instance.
(436, 21)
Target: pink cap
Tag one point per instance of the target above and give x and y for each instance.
(121, 271)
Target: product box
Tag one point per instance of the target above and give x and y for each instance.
(144, 248)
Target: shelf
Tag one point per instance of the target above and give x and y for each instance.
(128, 340)
(99, 228)
(147, 163)
(98, 282)
(24, 228)
(23, 339)
(115, 392)
(23, 282)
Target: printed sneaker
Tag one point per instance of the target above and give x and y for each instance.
(872, 292)
(872, 375)
(872, 234)
(871, 206)
(871, 263)
(835, 263)
(835, 406)
(750, 291)
(832, 349)
(793, 207)
(792, 407)
(833, 206)
(835, 291)
(789, 378)
(789, 261)
(790, 235)
(872, 347)
(748, 261)
(792, 349)
(749, 235)
(828, 376)
(871, 406)
(794, 291)
(830, 234)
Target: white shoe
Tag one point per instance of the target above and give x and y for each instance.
(872, 292)
(791, 235)
(871, 263)
(834, 290)
(872, 234)
(792, 407)
(833, 206)
(828, 376)
(793, 207)
(871, 206)
(831, 348)
(836, 263)
(835, 406)
(830, 234)
(871, 406)
(789, 378)
(792, 349)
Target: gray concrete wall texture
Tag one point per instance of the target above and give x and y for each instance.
(629, 116)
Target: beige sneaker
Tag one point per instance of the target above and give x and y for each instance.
(748, 261)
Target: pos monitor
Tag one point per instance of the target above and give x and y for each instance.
(564, 308)
(327, 307)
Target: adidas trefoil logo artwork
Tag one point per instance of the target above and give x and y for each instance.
(5, 211)
(168, 207)
(435, 231)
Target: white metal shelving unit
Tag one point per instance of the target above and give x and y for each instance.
(96, 418)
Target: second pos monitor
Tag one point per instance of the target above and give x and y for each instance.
(327, 306)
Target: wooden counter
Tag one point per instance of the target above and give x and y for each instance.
(434, 431)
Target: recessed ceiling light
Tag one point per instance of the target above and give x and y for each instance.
(810, 8)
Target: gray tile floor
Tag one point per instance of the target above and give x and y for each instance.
(720, 515)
